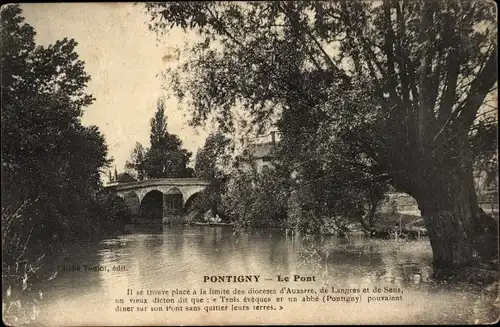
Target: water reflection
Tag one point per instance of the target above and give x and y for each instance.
(372, 261)
(179, 257)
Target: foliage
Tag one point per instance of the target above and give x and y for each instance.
(112, 211)
(165, 158)
(256, 199)
(136, 164)
(46, 153)
(19, 270)
(485, 156)
(51, 163)
(212, 165)
(337, 185)
(394, 86)
(213, 160)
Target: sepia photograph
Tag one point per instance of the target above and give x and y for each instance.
(250, 163)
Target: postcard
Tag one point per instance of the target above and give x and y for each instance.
(250, 163)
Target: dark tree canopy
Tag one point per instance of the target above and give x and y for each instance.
(51, 163)
(214, 158)
(45, 148)
(213, 165)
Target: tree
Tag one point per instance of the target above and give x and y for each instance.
(213, 160)
(165, 158)
(401, 81)
(47, 155)
(255, 199)
(51, 163)
(136, 165)
(212, 163)
(435, 71)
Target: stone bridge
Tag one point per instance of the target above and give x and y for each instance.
(167, 196)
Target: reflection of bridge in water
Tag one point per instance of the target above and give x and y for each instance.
(157, 200)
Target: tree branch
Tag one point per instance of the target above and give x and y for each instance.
(403, 76)
(389, 50)
(480, 87)
(219, 25)
(326, 56)
(449, 93)
(425, 63)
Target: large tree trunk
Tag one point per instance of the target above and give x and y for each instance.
(449, 222)
(456, 225)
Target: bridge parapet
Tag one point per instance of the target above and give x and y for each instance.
(158, 182)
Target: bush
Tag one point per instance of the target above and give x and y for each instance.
(255, 199)
(20, 265)
(113, 214)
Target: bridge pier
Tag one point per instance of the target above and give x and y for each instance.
(132, 202)
(172, 208)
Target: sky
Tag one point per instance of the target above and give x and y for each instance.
(123, 59)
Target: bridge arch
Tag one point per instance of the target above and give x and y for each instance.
(176, 194)
(189, 192)
(151, 206)
(141, 192)
(190, 201)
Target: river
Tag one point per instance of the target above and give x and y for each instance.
(179, 257)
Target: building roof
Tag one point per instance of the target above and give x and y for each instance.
(125, 178)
